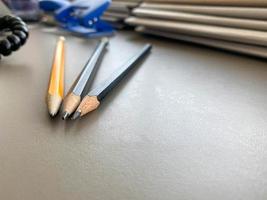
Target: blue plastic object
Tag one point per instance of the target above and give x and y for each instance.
(81, 17)
(52, 5)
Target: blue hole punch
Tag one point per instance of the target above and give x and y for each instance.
(81, 17)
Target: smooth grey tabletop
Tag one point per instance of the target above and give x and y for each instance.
(190, 123)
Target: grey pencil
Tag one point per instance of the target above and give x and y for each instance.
(73, 98)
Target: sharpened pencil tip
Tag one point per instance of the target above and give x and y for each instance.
(76, 115)
(105, 39)
(65, 115)
(52, 114)
(62, 38)
(53, 103)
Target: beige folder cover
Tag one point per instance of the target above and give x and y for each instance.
(225, 33)
(116, 15)
(252, 50)
(137, 1)
(125, 4)
(121, 9)
(110, 19)
(202, 19)
(216, 2)
(227, 11)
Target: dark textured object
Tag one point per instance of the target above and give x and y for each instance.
(21, 28)
(17, 38)
(15, 42)
(21, 35)
(5, 47)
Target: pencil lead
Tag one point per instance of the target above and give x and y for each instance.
(52, 114)
(76, 115)
(65, 115)
(53, 103)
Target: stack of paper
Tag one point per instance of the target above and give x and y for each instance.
(235, 25)
(118, 11)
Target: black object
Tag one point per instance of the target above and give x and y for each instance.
(15, 33)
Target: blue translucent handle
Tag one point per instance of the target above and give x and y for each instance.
(52, 5)
(81, 16)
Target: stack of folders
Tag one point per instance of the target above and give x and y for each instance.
(233, 25)
(118, 11)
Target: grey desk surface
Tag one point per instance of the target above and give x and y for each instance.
(188, 124)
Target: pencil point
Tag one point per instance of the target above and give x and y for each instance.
(70, 104)
(105, 39)
(76, 115)
(53, 103)
(62, 38)
(52, 114)
(65, 115)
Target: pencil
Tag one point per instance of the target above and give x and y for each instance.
(73, 99)
(56, 83)
(93, 99)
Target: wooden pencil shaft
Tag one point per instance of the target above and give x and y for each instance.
(88, 104)
(238, 12)
(103, 89)
(216, 32)
(90, 67)
(251, 50)
(216, 2)
(203, 19)
(56, 85)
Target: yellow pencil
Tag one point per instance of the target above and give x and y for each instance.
(56, 83)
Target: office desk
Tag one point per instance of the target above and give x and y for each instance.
(190, 123)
